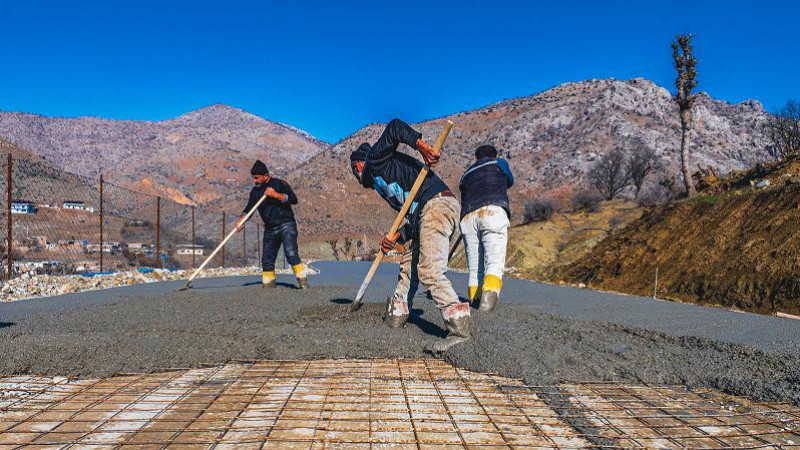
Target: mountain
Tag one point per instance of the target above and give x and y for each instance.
(551, 140)
(193, 158)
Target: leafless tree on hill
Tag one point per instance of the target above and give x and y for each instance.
(686, 65)
(609, 176)
(784, 131)
(642, 162)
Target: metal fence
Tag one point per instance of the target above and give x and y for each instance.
(60, 223)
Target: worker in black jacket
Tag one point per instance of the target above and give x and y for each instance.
(429, 227)
(279, 224)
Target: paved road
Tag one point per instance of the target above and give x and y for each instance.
(770, 334)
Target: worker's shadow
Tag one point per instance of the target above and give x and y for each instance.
(6, 324)
(415, 318)
(425, 325)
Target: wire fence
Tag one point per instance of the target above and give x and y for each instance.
(61, 223)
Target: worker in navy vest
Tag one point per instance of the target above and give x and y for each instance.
(484, 223)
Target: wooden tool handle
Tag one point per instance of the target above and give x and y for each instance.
(225, 241)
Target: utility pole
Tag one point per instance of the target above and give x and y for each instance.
(101, 222)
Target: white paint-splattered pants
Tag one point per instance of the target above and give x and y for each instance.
(485, 233)
(425, 260)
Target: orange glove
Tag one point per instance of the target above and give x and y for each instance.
(389, 242)
(430, 157)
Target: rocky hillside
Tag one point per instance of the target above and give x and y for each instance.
(551, 139)
(194, 158)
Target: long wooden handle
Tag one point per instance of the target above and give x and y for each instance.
(225, 241)
(412, 194)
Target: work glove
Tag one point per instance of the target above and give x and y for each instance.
(389, 242)
(428, 154)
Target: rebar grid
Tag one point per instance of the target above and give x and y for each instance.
(374, 403)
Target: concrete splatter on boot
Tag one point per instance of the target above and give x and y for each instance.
(302, 282)
(396, 313)
(488, 301)
(300, 273)
(491, 293)
(268, 279)
(457, 321)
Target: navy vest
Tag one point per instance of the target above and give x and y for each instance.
(485, 183)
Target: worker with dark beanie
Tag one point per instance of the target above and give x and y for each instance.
(280, 226)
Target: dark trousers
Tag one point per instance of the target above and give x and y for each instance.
(285, 234)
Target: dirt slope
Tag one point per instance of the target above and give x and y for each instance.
(739, 249)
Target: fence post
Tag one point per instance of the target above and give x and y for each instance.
(223, 238)
(9, 186)
(193, 247)
(101, 222)
(158, 232)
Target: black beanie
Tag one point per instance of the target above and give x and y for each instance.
(360, 154)
(259, 168)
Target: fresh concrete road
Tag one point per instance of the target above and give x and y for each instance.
(542, 334)
(765, 333)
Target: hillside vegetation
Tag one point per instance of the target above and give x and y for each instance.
(738, 248)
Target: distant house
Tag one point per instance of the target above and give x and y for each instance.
(106, 247)
(189, 249)
(23, 207)
(65, 244)
(74, 204)
(27, 266)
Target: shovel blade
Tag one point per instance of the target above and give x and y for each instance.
(355, 306)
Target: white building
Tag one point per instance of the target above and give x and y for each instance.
(189, 250)
(76, 205)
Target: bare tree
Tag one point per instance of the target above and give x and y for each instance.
(685, 64)
(640, 164)
(334, 243)
(608, 174)
(348, 244)
(784, 130)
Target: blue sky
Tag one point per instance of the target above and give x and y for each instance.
(330, 68)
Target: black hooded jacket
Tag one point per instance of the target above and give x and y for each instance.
(392, 174)
(273, 211)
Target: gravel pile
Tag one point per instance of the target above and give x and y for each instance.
(30, 285)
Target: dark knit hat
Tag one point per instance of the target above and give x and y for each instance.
(360, 154)
(259, 168)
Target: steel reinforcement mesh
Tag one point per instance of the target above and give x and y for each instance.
(382, 403)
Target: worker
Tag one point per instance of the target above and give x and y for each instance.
(485, 218)
(428, 228)
(280, 226)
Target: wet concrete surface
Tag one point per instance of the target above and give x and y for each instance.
(542, 334)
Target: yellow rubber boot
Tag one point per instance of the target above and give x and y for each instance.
(299, 272)
(491, 293)
(268, 278)
(474, 293)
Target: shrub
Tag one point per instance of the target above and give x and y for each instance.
(654, 195)
(585, 201)
(538, 210)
